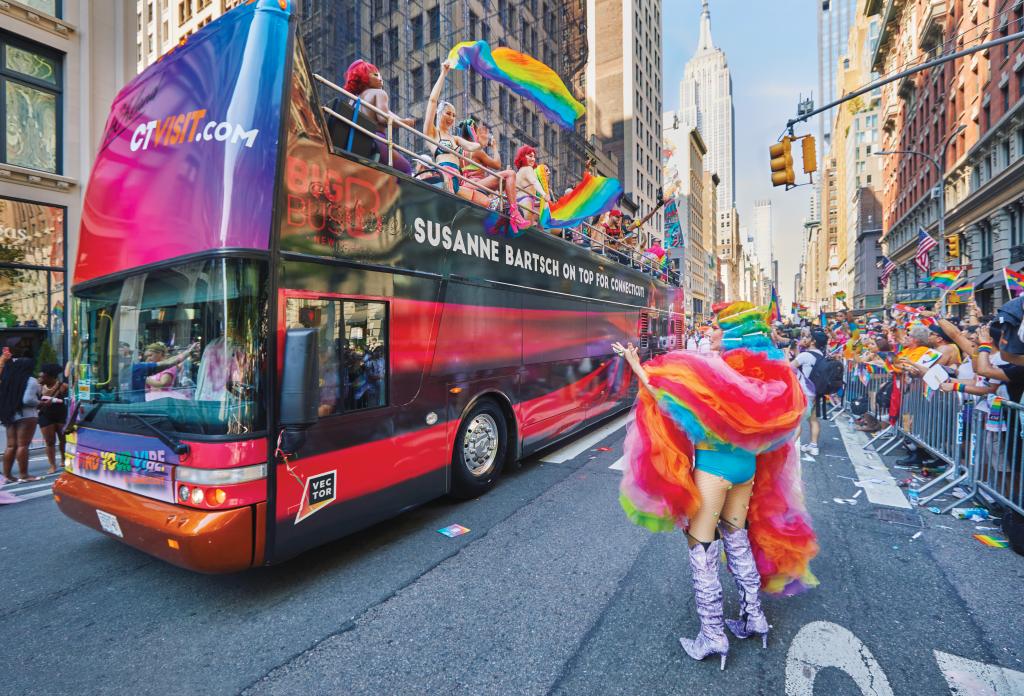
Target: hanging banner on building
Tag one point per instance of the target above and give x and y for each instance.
(673, 230)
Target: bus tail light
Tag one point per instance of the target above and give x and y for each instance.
(221, 488)
(217, 496)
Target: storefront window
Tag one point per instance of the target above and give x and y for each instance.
(32, 292)
(50, 7)
(30, 79)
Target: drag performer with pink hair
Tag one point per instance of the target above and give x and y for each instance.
(710, 451)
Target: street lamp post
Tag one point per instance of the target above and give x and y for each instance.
(939, 172)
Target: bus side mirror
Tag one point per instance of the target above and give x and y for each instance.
(300, 381)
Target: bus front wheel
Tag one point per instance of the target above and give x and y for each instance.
(481, 448)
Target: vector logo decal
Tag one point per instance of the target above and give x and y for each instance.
(320, 491)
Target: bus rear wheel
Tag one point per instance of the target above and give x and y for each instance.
(481, 448)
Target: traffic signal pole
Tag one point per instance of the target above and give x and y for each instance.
(899, 76)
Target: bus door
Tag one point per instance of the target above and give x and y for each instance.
(370, 453)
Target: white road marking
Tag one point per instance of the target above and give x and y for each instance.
(873, 475)
(580, 446)
(36, 494)
(969, 678)
(822, 644)
(620, 464)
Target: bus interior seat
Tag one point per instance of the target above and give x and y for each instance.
(345, 137)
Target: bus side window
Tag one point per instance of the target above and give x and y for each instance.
(353, 351)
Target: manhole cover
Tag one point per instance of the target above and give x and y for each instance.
(908, 518)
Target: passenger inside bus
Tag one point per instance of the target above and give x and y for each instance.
(160, 385)
(364, 81)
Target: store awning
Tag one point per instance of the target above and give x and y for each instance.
(983, 280)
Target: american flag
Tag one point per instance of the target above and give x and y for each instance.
(887, 267)
(925, 243)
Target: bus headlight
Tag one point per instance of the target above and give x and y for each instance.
(220, 477)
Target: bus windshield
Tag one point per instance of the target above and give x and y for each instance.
(182, 349)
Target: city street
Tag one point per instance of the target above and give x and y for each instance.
(552, 591)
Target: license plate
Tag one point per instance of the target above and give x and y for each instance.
(109, 523)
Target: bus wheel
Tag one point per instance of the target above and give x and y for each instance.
(481, 447)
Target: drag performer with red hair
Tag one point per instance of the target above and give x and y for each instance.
(710, 451)
(364, 81)
(531, 190)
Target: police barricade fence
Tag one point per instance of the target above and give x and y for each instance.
(997, 455)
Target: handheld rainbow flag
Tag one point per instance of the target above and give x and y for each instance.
(524, 75)
(873, 369)
(841, 296)
(774, 313)
(944, 280)
(992, 541)
(965, 293)
(1014, 282)
(906, 309)
(592, 196)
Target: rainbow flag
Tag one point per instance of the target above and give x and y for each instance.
(592, 196)
(945, 280)
(873, 369)
(774, 313)
(906, 309)
(992, 541)
(841, 296)
(524, 75)
(1014, 282)
(965, 293)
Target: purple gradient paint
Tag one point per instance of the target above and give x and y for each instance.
(188, 159)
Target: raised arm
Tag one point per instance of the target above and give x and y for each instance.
(430, 116)
(984, 366)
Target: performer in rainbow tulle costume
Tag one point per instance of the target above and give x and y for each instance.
(711, 451)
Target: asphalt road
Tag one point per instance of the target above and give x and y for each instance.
(552, 591)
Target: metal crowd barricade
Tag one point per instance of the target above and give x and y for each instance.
(997, 456)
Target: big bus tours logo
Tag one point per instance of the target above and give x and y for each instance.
(189, 127)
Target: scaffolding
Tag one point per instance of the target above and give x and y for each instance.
(409, 39)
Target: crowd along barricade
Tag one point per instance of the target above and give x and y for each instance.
(870, 394)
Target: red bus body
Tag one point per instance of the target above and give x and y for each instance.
(462, 312)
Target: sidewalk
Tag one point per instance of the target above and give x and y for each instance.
(37, 465)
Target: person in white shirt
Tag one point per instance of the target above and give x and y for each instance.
(812, 350)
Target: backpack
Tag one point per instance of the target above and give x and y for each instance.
(827, 375)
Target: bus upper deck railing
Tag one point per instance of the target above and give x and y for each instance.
(597, 240)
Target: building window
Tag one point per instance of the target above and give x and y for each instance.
(32, 297)
(53, 7)
(417, 31)
(30, 80)
(434, 20)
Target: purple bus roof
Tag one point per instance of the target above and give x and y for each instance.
(189, 156)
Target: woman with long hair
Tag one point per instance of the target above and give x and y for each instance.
(363, 80)
(449, 153)
(53, 411)
(485, 185)
(19, 401)
(710, 451)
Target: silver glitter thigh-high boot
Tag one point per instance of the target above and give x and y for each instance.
(707, 592)
(741, 563)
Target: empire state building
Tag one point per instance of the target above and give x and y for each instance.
(705, 99)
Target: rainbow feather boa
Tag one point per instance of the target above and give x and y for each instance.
(742, 399)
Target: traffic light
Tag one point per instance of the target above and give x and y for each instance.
(810, 154)
(953, 246)
(782, 163)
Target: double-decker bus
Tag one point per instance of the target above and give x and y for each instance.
(278, 341)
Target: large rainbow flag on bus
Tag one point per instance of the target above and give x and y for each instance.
(592, 196)
(524, 75)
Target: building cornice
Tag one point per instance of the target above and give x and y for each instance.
(30, 15)
(10, 173)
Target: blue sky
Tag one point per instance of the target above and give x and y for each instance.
(766, 83)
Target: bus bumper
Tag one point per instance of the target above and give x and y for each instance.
(203, 541)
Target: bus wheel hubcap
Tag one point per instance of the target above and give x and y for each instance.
(480, 444)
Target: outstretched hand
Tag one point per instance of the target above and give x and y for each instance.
(628, 351)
